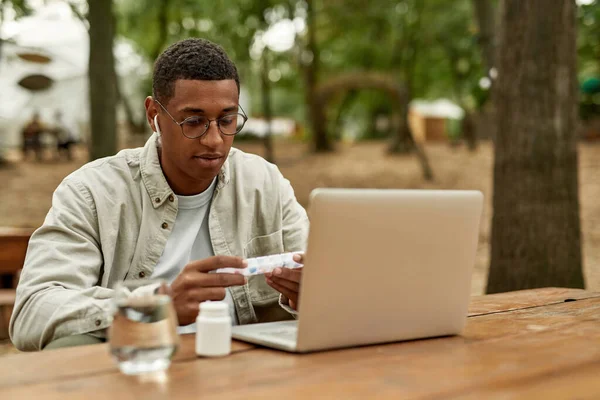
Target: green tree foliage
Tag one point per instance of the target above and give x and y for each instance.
(588, 39)
(431, 46)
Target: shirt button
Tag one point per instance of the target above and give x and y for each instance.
(142, 274)
(165, 225)
(171, 198)
(157, 200)
(98, 322)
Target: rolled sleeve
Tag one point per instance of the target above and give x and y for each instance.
(285, 304)
(57, 294)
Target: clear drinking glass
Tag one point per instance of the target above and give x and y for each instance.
(143, 335)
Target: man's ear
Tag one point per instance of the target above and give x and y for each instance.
(151, 112)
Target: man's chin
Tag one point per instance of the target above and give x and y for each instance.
(201, 170)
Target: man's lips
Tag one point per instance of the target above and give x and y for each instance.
(209, 156)
(208, 161)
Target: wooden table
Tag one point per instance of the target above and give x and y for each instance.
(537, 344)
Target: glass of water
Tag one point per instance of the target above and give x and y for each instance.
(143, 335)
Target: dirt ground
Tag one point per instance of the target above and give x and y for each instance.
(28, 185)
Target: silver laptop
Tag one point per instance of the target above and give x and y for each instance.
(381, 266)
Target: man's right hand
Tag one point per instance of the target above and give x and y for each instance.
(195, 285)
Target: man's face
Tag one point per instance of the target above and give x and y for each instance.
(191, 164)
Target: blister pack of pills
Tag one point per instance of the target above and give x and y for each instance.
(261, 265)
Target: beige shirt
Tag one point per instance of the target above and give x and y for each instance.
(110, 221)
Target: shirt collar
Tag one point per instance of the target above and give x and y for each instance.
(154, 179)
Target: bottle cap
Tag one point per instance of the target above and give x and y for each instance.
(214, 309)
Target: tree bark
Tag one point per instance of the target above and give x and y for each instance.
(103, 90)
(310, 61)
(536, 237)
(336, 127)
(161, 26)
(134, 125)
(402, 140)
(486, 23)
(404, 58)
(266, 103)
(468, 130)
(467, 125)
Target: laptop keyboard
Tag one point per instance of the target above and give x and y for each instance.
(288, 333)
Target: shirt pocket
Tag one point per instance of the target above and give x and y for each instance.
(262, 294)
(264, 245)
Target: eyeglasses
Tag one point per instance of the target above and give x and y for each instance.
(196, 126)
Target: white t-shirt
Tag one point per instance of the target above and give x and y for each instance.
(189, 240)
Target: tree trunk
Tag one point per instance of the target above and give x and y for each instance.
(486, 23)
(404, 59)
(536, 237)
(402, 140)
(468, 130)
(103, 90)
(310, 60)
(161, 26)
(134, 125)
(469, 133)
(337, 124)
(266, 103)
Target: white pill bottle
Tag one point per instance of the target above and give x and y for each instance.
(213, 329)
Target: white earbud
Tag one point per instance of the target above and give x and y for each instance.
(156, 124)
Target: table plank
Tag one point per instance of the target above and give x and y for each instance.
(579, 383)
(502, 302)
(496, 350)
(91, 360)
(553, 316)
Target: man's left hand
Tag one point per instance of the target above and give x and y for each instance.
(287, 281)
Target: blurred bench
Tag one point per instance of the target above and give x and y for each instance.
(13, 246)
(7, 302)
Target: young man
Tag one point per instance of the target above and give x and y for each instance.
(184, 205)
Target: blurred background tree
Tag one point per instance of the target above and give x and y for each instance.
(409, 40)
(102, 78)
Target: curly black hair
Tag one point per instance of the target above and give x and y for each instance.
(194, 59)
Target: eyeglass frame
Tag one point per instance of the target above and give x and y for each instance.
(207, 126)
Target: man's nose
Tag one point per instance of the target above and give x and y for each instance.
(212, 137)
